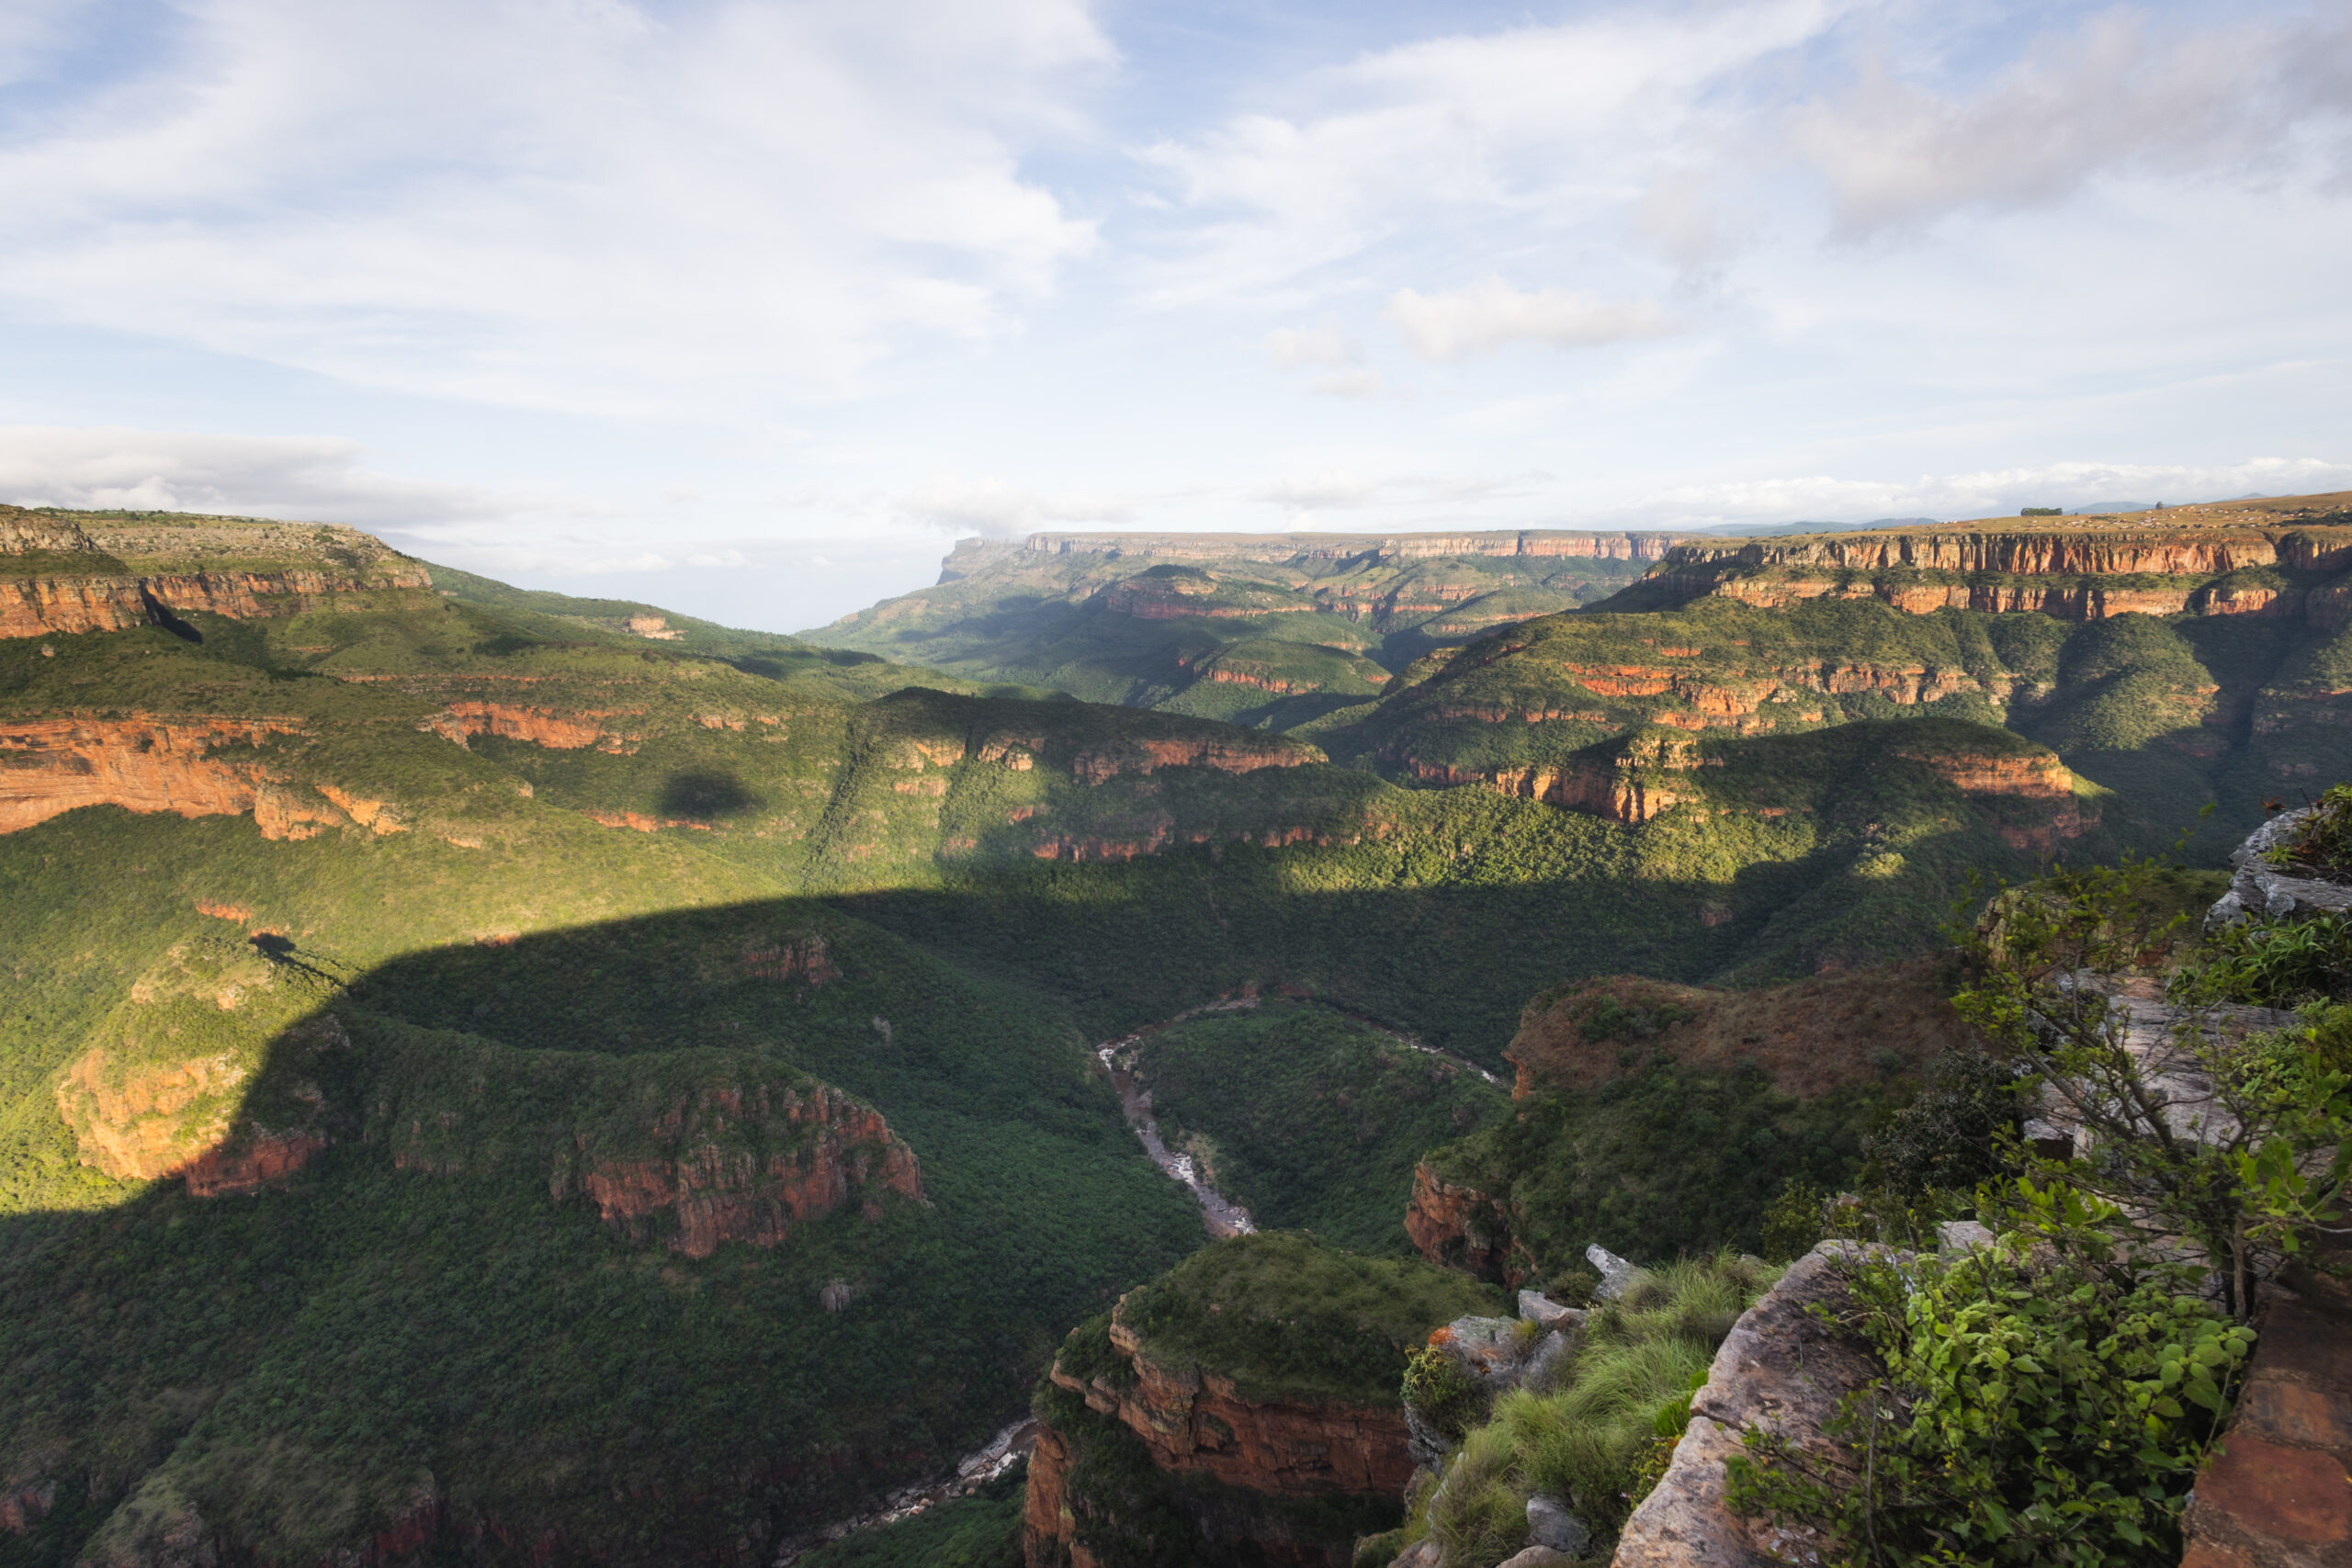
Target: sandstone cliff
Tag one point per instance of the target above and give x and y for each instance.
(2178, 561)
(61, 574)
(1247, 1401)
(192, 765)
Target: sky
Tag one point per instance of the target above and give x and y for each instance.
(749, 308)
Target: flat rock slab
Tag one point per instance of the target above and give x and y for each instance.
(2279, 1494)
(1780, 1370)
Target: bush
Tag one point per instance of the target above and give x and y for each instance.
(2032, 1412)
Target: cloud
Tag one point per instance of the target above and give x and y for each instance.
(1537, 128)
(1464, 324)
(314, 478)
(998, 509)
(606, 206)
(1990, 493)
(2114, 96)
(1290, 347)
(1363, 383)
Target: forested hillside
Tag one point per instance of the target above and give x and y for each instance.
(499, 1075)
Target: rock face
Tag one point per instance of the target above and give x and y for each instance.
(1196, 1427)
(1192, 1418)
(93, 574)
(1780, 1370)
(1455, 1226)
(2260, 888)
(2279, 1493)
(752, 1164)
(2191, 551)
(192, 766)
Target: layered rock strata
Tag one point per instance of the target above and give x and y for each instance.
(82, 575)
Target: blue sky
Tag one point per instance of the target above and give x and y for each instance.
(749, 309)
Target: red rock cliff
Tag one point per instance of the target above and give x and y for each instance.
(752, 1164)
(193, 765)
(1190, 1418)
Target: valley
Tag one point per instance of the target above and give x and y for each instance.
(493, 1076)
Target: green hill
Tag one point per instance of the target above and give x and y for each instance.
(478, 1077)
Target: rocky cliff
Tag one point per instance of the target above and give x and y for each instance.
(82, 572)
(2204, 559)
(1206, 1434)
(752, 1164)
(192, 765)
(1369, 548)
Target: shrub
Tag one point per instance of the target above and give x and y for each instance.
(2044, 1402)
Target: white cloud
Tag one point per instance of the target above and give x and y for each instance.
(992, 507)
(1290, 347)
(2114, 96)
(1363, 383)
(1541, 127)
(1464, 323)
(314, 478)
(609, 206)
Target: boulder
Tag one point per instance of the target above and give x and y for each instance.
(1542, 1311)
(1616, 1275)
(2260, 888)
(1961, 1235)
(1535, 1557)
(1549, 1521)
(1782, 1371)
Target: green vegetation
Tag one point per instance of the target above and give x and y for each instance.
(504, 893)
(1267, 636)
(1286, 1317)
(979, 1531)
(2034, 1410)
(1595, 1437)
(1309, 1119)
(1662, 1159)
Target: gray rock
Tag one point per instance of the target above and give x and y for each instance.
(1955, 1236)
(1536, 1557)
(1781, 1370)
(1549, 1521)
(1616, 1275)
(1423, 1553)
(1539, 1309)
(2259, 887)
(1550, 1360)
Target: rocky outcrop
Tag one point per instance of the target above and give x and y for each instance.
(84, 574)
(1192, 1418)
(542, 726)
(1350, 548)
(2277, 1492)
(187, 764)
(2259, 887)
(1781, 1371)
(1632, 782)
(753, 1164)
(2176, 562)
(1236, 753)
(1455, 1226)
(259, 1159)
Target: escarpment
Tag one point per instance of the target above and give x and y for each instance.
(2203, 559)
(685, 1153)
(752, 1165)
(1248, 1400)
(191, 766)
(64, 574)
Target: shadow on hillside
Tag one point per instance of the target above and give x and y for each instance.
(458, 1351)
